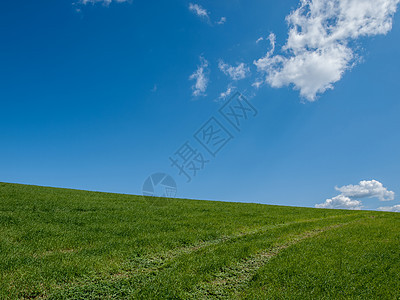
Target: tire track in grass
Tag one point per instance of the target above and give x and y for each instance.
(234, 278)
(151, 264)
(147, 264)
(145, 268)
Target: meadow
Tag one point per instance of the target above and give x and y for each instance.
(71, 244)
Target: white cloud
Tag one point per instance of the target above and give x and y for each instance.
(367, 189)
(257, 84)
(395, 208)
(349, 193)
(235, 73)
(104, 2)
(201, 80)
(225, 94)
(340, 202)
(199, 11)
(222, 21)
(317, 49)
(271, 38)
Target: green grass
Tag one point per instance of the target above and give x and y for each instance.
(68, 244)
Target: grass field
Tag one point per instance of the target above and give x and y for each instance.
(68, 244)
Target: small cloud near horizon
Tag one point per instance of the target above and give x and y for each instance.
(350, 195)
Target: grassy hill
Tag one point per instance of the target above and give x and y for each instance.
(59, 244)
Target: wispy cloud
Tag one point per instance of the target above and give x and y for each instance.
(227, 93)
(350, 194)
(104, 2)
(317, 51)
(271, 38)
(199, 11)
(222, 21)
(200, 76)
(78, 5)
(235, 73)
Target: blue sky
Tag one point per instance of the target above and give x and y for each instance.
(99, 95)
